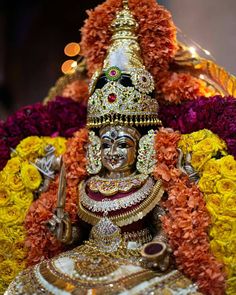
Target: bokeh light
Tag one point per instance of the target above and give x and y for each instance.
(72, 49)
(68, 67)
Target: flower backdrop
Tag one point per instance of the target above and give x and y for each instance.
(18, 182)
(60, 117)
(217, 171)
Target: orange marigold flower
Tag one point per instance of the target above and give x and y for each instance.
(187, 221)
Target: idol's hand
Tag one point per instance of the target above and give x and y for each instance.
(60, 226)
(156, 255)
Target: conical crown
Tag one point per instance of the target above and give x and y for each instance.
(122, 92)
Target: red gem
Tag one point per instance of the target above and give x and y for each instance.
(112, 97)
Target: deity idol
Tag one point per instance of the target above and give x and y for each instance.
(120, 242)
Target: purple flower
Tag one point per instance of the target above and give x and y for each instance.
(217, 114)
(68, 115)
(61, 117)
(25, 122)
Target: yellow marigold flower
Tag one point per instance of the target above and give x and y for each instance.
(13, 165)
(4, 197)
(207, 184)
(199, 159)
(186, 143)
(19, 250)
(228, 167)
(2, 178)
(210, 145)
(215, 201)
(15, 183)
(16, 232)
(231, 245)
(231, 285)
(11, 215)
(230, 263)
(30, 147)
(226, 186)
(201, 134)
(30, 176)
(58, 142)
(8, 270)
(218, 248)
(22, 199)
(223, 228)
(229, 205)
(213, 212)
(6, 245)
(211, 167)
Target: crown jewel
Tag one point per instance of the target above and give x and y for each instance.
(125, 94)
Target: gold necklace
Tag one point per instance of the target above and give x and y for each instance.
(129, 217)
(110, 187)
(107, 205)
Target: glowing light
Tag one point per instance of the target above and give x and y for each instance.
(68, 66)
(72, 49)
(74, 65)
(201, 76)
(192, 50)
(207, 52)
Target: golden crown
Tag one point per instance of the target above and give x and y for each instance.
(122, 92)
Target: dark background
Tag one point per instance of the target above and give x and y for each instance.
(34, 33)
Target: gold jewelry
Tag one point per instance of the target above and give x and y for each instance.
(146, 159)
(106, 235)
(129, 217)
(115, 104)
(93, 156)
(140, 237)
(108, 205)
(110, 187)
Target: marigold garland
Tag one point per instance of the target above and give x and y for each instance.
(40, 242)
(18, 182)
(187, 220)
(179, 87)
(218, 184)
(78, 91)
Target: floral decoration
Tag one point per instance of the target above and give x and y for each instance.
(187, 220)
(61, 117)
(18, 182)
(217, 182)
(40, 242)
(217, 114)
(179, 87)
(78, 91)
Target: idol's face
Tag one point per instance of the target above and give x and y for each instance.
(119, 149)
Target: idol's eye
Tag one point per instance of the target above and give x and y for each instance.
(123, 145)
(105, 145)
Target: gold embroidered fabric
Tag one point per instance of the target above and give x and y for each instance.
(88, 271)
